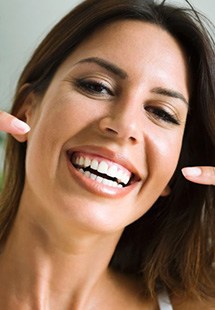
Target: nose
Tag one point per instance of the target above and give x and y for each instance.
(122, 124)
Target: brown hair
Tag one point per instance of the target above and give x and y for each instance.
(173, 244)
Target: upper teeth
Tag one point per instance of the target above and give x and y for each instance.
(113, 170)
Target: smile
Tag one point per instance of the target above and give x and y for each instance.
(100, 173)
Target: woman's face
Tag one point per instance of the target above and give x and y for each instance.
(107, 134)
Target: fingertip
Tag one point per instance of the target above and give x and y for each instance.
(20, 126)
(191, 172)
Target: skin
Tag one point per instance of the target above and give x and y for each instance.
(64, 235)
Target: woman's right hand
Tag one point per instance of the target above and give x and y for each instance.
(12, 125)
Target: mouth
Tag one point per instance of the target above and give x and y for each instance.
(102, 170)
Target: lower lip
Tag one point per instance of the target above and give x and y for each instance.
(96, 187)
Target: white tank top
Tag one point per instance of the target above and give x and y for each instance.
(164, 301)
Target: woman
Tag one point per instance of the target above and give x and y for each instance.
(95, 213)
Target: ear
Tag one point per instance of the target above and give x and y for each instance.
(166, 191)
(25, 113)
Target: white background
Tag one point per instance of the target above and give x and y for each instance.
(23, 23)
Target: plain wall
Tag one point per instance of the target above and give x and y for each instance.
(23, 23)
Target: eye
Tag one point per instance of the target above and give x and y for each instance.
(161, 114)
(94, 87)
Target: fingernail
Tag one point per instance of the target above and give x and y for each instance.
(191, 172)
(20, 125)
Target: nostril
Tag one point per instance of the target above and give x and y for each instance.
(132, 139)
(119, 128)
(116, 133)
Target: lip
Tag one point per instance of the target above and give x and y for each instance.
(105, 154)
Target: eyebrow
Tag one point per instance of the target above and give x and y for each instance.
(106, 65)
(123, 75)
(169, 93)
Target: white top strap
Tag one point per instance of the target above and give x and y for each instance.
(164, 301)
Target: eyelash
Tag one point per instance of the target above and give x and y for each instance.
(93, 87)
(165, 116)
(97, 88)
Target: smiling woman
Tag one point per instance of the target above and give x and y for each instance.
(95, 212)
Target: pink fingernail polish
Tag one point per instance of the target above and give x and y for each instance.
(20, 125)
(191, 172)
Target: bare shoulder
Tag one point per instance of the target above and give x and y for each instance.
(128, 293)
(193, 304)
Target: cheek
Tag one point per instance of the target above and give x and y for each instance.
(61, 118)
(168, 149)
(70, 114)
(164, 151)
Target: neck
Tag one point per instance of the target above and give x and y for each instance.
(47, 269)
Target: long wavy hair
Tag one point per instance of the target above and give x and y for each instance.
(173, 244)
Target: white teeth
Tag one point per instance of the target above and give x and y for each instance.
(118, 174)
(125, 178)
(81, 161)
(93, 176)
(76, 161)
(109, 182)
(100, 179)
(87, 162)
(87, 174)
(113, 171)
(115, 184)
(94, 164)
(106, 182)
(103, 167)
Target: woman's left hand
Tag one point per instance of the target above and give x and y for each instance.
(201, 175)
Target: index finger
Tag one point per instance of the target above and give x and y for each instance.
(12, 125)
(202, 175)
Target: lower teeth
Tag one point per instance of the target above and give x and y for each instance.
(99, 179)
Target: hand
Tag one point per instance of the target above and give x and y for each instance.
(201, 175)
(13, 125)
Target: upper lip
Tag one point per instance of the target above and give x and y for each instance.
(108, 154)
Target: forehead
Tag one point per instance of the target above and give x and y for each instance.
(131, 31)
(136, 46)
(120, 39)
